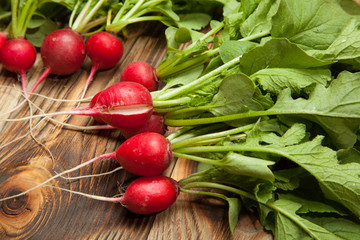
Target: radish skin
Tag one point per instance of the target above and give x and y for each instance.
(148, 195)
(105, 51)
(62, 52)
(124, 105)
(156, 124)
(92, 104)
(3, 38)
(18, 55)
(145, 154)
(141, 72)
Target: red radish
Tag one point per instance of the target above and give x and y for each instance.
(63, 53)
(141, 72)
(156, 123)
(3, 38)
(145, 195)
(105, 51)
(148, 195)
(92, 104)
(122, 105)
(18, 55)
(145, 154)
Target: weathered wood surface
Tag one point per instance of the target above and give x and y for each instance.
(48, 213)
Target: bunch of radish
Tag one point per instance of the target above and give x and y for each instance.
(147, 155)
(127, 105)
(64, 50)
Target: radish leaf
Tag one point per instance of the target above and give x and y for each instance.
(274, 80)
(238, 164)
(312, 24)
(230, 50)
(345, 47)
(341, 227)
(339, 117)
(278, 53)
(234, 211)
(289, 225)
(259, 22)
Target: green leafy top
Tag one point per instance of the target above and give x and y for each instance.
(293, 211)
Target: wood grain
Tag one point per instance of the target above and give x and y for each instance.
(48, 213)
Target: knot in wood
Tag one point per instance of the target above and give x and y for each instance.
(15, 206)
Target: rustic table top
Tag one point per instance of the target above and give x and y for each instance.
(48, 213)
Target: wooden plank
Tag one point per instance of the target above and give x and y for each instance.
(48, 213)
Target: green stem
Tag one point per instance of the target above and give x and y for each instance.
(169, 64)
(193, 85)
(108, 17)
(93, 23)
(168, 109)
(185, 133)
(250, 114)
(140, 13)
(206, 35)
(187, 64)
(81, 15)
(190, 141)
(216, 140)
(88, 16)
(187, 111)
(152, 3)
(225, 118)
(218, 186)
(133, 10)
(170, 103)
(14, 17)
(255, 36)
(191, 178)
(28, 15)
(73, 13)
(178, 133)
(22, 18)
(174, 60)
(213, 194)
(117, 27)
(196, 158)
(230, 148)
(120, 12)
(87, 34)
(5, 15)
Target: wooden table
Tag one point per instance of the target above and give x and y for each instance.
(48, 213)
